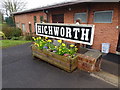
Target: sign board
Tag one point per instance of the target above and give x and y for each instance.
(82, 33)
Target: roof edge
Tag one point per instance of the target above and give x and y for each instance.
(59, 5)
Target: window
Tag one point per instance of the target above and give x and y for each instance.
(35, 19)
(41, 19)
(82, 16)
(103, 16)
(23, 28)
(58, 18)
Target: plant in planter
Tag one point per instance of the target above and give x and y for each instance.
(63, 50)
(60, 56)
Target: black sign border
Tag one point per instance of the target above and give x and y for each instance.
(61, 24)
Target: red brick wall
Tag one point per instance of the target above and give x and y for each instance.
(104, 32)
(28, 17)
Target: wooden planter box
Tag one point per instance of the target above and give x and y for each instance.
(90, 61)
(65, 63)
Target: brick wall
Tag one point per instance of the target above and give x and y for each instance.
(29, 17)
(104, 32)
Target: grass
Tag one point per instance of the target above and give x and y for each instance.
(10, 43)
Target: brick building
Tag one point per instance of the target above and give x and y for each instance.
(104, 15)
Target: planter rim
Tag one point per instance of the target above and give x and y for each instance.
(77, 54)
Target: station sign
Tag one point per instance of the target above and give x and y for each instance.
(82, 33)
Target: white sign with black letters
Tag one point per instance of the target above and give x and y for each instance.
(82, 33)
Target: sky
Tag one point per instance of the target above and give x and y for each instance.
(39, 3)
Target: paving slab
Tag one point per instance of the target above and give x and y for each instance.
(109, 69)
(107, 77)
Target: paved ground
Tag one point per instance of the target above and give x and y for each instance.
(112, 62)
(110, 67)
(21, 71)
(112, 57)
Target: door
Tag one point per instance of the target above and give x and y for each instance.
(58, 18)
(30, 28)
(118, 46)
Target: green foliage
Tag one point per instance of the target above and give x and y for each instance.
(27, 37)
(62, 49)
(11, 31)
(2, 35)
(15, 38)
(21, 38)
(10, 21)
(41, 44)
(1, 18)
(16, 32)
(7, 31)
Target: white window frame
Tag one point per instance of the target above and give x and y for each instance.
(24, 30)
(103, 11)
(81, 13)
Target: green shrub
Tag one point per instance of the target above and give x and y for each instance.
(22, 38)
(16, 32)
(15, 38)
(27, 37)
(11, 31)
(2, 35)
(6, 30)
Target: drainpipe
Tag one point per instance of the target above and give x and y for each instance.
(46, 12)
(47, 17)
(118, 43)
(88, 11)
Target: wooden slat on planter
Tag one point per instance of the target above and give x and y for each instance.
(65, 63)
